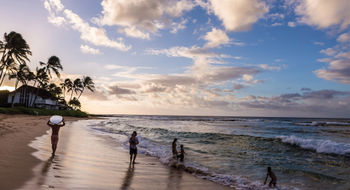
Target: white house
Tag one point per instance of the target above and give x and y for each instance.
(34, 97)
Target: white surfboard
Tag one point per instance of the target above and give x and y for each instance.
(56, 119)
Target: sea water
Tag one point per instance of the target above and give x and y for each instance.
(235, 151)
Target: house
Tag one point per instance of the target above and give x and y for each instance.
(34, 97)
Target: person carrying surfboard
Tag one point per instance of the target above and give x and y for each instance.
(55, 122)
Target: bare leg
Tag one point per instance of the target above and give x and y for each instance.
(134, 158)
(130, 158)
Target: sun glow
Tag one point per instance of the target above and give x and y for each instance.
(9, 88)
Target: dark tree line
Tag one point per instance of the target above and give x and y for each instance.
(15, 52)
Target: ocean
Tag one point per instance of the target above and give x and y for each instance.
(235, 151)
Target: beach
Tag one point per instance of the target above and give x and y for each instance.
(16, 161)
(83, 160)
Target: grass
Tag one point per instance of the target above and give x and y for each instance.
(38, 111)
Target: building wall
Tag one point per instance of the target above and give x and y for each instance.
(39, 102)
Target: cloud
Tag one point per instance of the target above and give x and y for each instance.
(216, 37)
(144, 15)
(120, 91)
(323, 13)
(345, 37)
(134, 33)
(338, 65)
(176, 26)
(93, 35)
(238, 15)
(292, 24)
(269, 67)
(89, 50)
(321, 102)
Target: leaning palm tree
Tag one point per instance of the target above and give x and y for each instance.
(53, 64)
(67, 84)
(75, 88)
(20, 76)
(13, 48)
(87, 83)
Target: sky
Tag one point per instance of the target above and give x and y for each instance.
(195, 57)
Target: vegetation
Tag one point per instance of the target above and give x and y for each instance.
(14, 58)
(37, 111)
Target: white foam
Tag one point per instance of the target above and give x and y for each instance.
(320, 146)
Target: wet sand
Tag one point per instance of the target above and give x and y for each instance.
(16, 161)
(88, 161)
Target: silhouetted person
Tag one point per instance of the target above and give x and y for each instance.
(54, 136)
(174, 148)
(182, 153)
(133, 149)
(272, 176)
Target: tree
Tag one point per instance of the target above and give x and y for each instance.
(14, 49)
(21, 76)
(75, 88)
(55, 90)
(67, 84)
(53, 64)
(87, 83)
(41, 79)
(74, 103)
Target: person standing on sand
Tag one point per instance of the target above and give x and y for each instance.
(54, 136)
(174, 148)
(133, 149)
(272, 176)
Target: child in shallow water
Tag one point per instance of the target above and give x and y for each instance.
(182, 153)
(272, 176)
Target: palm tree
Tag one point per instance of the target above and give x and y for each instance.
(41, 78)
(75, 88)
(53, 64)
(65, 86)
(74, 103)
(87, 83)
(55, 90)
(14, 48)
(20, 76)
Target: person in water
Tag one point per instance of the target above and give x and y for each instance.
(174, 150)
(54, 136)
(272, 176)
(182, 153)
(133, 149)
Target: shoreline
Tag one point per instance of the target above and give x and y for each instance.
(16, 159)
(89, 161)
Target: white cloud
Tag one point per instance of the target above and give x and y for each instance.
(89, 50)
(323, 13)
(344, 37)
(269, 67)
(176, 26)
(292, 24)
(216, 37)
(238, 15)
(134, 32)
(94, 35)
(144, 15)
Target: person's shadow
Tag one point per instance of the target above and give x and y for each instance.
(45, 170)
(128, 177)
(174, 179)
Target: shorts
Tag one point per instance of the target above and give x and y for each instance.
(54, 139)
(133, 151)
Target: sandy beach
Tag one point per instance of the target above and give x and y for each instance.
(82, 161)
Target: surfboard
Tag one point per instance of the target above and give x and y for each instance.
(56, 119)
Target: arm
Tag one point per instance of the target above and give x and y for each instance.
(63, 123)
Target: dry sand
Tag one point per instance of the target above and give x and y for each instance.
(83, 161)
